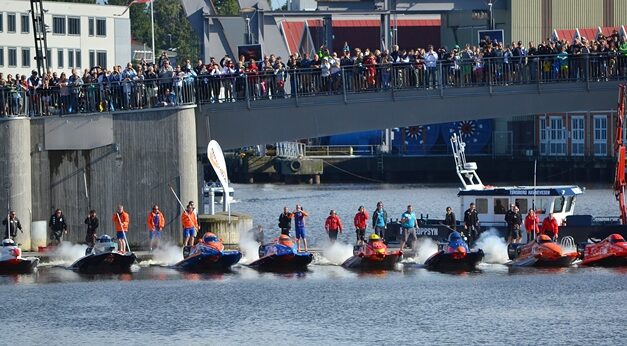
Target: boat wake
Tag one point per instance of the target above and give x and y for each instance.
(166, 255)
(335, 254)
(249, 248)
(493, 246)
(65, 254)
(425, 248)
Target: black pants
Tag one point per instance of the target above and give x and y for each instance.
(473, 234)
(333, 235)
(285, 231)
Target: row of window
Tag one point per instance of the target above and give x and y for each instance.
(553, 135)
(500, 206)
(61, 25)
(74, 58)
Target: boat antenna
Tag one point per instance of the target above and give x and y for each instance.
(535, 183)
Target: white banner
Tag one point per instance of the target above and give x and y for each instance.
(216, 157)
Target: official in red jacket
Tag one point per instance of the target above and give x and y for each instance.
(531, 225)
(361, 222)
(333, 226)
(550, 227)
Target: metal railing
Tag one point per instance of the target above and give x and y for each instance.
(112, 96)
(290, 150)
(342, 150)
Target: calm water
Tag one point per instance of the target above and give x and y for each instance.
(327, 304)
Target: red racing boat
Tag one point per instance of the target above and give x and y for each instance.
(610, 252)
(542, 252)
(373, 256)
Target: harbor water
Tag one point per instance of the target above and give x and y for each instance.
(327, 304)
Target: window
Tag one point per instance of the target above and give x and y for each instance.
(25, 57)
(543, 136)
(500, 205)
(577, 129)
(58, 25)
(101, 27)
(600, 135)
(92, 58)
(569, 204)
(60, 58)
(482, 205)
(558, 205)
(74, 25)
(12, 57)
(101, 58)
(11, 22)
(521, 203)
(1, 55)
(557, 140)
(49, 57)
(91, 26)
(77, 58)
(25, 24)
(70, 58)
(1, 22)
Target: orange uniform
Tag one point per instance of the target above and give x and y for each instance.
(150, 221)
(124, 219)
(189, 220)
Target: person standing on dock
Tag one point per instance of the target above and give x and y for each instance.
(58, 226)
(285, 221)
(471, 224)
(92, 228)
(550, 227)
(333, 226)
(155, 222)
(531, 225)
(121, 220)
(408, 227)
(190, 226)
(379, 220)
(360, 221)
(299, 226)
(449, 219)
(11, 224)
(513, 220)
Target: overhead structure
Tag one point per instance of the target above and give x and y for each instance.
(39, 33)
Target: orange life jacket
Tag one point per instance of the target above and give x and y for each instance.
(124, 219)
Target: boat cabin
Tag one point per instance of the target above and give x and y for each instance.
(493, 202)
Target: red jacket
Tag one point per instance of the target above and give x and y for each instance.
(531, 223)
(121, 223)
(360, 220)
(333, 223)
(550, 226)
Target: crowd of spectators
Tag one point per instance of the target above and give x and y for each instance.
(325, 72)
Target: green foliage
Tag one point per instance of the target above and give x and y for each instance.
(227, 7)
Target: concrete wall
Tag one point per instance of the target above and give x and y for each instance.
(570, 14)
(153, 148)
(527, 21)
(233, 125)
(15, 170)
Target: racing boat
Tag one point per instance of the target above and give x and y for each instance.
(11, 261)
(281, 256)
(455, 257)
(610, 252)
(104, 259)
(373, 256)
(542, 252)
(209, 256)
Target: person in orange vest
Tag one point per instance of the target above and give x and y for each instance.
(155, 222)
(550, 227)
(360, 225)
(333, 226)
(121, 220)
(531, 225)
(190, 225)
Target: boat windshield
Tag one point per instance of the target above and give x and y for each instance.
(544, 239)
(617, 240)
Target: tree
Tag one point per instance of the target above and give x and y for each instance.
(227, 7)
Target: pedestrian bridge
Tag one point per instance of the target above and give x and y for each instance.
(240, 124)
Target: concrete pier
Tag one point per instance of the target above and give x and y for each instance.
(229, 232)
(15, 170)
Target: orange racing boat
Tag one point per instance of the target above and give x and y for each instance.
(542, 252)
(610, 252)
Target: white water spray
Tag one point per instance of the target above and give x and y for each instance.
(67, 253)
(249, 248)
(425, 247)
(166, 254)
(336, 253)
(493, 246)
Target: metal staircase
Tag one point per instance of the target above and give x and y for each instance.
(39, 33)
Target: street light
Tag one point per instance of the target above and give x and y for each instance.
(170, 39)
(246, 11)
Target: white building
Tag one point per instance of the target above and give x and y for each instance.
(79, 35)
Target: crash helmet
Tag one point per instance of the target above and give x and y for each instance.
(209, 238)
(375, 236)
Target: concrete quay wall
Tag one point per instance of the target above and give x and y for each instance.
(54, 163)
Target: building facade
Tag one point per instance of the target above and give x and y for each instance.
(78, 36)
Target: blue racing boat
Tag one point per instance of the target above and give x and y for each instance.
(456, 257)
(281, 256)
(209, 256)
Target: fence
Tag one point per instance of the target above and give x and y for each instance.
(66, 98)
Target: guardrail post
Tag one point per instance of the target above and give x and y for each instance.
(295, 76)
(439, 79)
(344, 85)
(587, 71)
(247, 91)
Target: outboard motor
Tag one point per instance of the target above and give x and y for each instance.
(186, 251)
(513, 250)
(262, 250)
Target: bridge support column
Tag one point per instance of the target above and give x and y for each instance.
(15, 170)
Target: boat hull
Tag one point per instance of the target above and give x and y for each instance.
(283, 262)
(19, 266)
(533, 261)
(209, 263)
(452, 262)
(372, 262)
(610, 260)
(105, 263)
